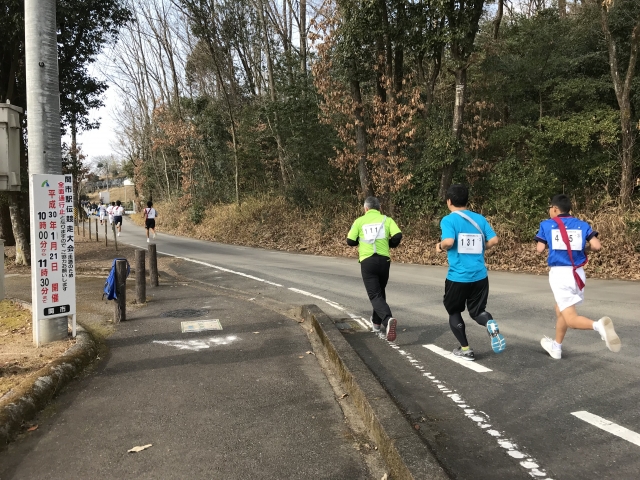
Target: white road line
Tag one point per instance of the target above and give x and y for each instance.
(607, 426)
(476, 367)
(333, 304)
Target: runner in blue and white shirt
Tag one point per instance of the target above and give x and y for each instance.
(566, 273)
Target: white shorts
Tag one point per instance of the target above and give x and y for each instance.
(564, 287)
(110, 219)
(101, 216)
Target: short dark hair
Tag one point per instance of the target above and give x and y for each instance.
(372, 202)
(118, 203)
(458, 194)
(562, 201)
(149, 204)
(113, 203)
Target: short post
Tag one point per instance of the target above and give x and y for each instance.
(115, 235)
(89, 228)
(2, 270)
(153, 265)
(97, 239)
(82, 227)
(106, 237)
(120, 314)
(141, 287)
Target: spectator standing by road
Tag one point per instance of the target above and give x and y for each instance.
(118, 212)
(466, 236)
(150, 216)
(569, 240)
(374, 234)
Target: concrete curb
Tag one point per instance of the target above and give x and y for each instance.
(32, 395)
(406, 455)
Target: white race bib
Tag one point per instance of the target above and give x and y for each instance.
(373, 232)
(470, 243)
(575, 240)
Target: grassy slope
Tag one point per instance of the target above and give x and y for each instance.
(272, 223)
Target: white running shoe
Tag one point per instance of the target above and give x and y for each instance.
(118, 233)
(147, 240)
(154, 235)
(609, 335)
(547, 344)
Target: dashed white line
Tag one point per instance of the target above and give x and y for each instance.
(476, 367)
(608, 426)
(333, 304)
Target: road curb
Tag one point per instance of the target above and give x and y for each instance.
(406, 455)
(22, 403)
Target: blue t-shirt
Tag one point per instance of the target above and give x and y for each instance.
(579, 234)
(466, 267)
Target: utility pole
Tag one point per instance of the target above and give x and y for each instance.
(43, 127)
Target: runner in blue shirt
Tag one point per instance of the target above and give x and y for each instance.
(465, 237)
(569, 240)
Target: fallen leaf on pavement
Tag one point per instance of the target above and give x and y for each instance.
(256, 332)
(139, 449)
(301, 356)
(32, 429)
(344, 395)
(309, 352)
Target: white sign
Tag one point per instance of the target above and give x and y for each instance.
(575, 240)
(52, 246)
(470, 243)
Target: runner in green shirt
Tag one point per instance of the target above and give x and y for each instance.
(374, 234)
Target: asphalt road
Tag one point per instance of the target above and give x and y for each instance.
(519, 419)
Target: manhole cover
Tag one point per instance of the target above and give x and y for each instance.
(185, 313)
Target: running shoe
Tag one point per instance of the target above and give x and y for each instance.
(547, 344)
(376, 328)
(609, 335)
(391, 329)
(497, 339)
(464, 354)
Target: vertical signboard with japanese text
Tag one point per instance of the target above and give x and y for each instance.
(52, 250)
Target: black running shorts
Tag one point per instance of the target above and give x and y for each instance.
(474, 295)
(150, 223)
(117, 219)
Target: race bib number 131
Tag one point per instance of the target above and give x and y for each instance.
(470, 243)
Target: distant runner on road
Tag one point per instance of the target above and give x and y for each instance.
(110, 210)
(102, 211)
(150, 216)
(374, 234)
(569, 240)
(466, 235)
(118, 212)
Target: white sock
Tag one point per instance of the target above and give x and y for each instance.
(596, 327)
(556, 345)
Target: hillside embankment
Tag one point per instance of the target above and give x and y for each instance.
(273, 223)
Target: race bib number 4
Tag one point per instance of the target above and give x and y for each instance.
(470, 243)
(373, 232)
(575, 239)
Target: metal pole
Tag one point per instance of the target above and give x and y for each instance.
(97, 239)
(153, 265)
(83, 228)
(106, 236)
(89, 229)
(141, 287)
(43, 124)
(120, 314)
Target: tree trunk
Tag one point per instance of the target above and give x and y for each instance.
(498, 20)
(6, 232)
(623, 94)
(562, 8)
(23, 253)
(303, 36)
(361, 139)
(456, 128)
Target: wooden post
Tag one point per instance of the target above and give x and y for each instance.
(120, 314)
(82, 227)
(141, 287)
(89, 229)
(106, 236)
(115, 235)
(153, 265)
(97, 239)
